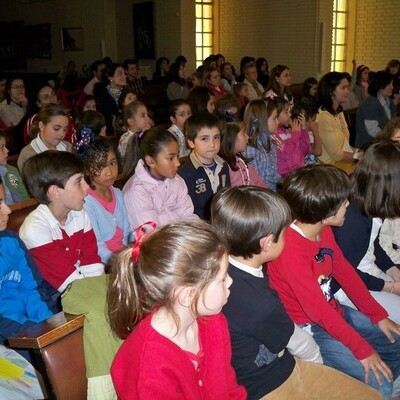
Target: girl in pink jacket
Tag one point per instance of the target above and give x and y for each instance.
(154, 190)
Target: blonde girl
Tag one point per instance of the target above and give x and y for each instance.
(261, 122)
(137, 120)
(165, 296)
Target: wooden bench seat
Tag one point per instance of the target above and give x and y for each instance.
(57, 349)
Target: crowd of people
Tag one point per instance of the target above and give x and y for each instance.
(253, 251)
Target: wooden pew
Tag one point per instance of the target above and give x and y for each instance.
(57, 349)
(19, 211)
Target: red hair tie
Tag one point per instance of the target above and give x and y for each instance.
(140, 235)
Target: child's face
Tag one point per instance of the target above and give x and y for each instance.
(103, 131)
(206, 144)
(54, 131)
(141, 121)
(4, 209)
(90, 105)
(241, 141)
(215, 78)
(395, 136)
(313, 90)
(3, 151)
(129, 98)
(273, 122)
(166, 163)
(211, 105)
(108, 175)
(73, 195)
(245, 91)
(284, 116)
(217, 292)
(227, 70)
(387, 90)
(339, 217)
(183, 112)
(196, 81)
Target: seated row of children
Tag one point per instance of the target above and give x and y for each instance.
(59, 226)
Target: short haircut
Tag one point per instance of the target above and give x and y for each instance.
(243, 215)
(375, 182)
(315, 192)
(379, 80)
(49, 168)
(130, 61)
(199, 121)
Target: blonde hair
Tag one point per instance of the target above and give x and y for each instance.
(176, 255)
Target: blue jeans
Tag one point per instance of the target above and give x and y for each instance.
(337, 355)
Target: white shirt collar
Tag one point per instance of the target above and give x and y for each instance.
(257, 272)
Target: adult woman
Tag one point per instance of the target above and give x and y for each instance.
(177, 88)
(107, 93)
(13, 108)
(374, 198)
(161, 74)
(376, 110)
(262, 70)
(228, 76)
(334, 90)
(279, 83)
(250, 79)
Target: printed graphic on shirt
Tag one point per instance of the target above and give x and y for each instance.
(201, 185)
(14, 181)
(325, 281)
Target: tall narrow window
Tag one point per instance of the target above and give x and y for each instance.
(339, 35)
(204, 30)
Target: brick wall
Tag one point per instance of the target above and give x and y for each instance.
(377, 36)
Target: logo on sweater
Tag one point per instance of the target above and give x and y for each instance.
(13, 180)
(201, 185)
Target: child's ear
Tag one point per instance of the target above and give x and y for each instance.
(266, 242)
(190, 143)
(53, 192)
(184, 295)
(130, 121)
(41, 126)
(149, 161)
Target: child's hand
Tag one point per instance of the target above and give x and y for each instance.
(296, 125)
(394, 273)
(312, 125)
(387, 326)
(302, 120)
(375, 364)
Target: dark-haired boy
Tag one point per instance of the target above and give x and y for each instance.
(264, 339)
(364, 344)
(205, 173)
(58, 233)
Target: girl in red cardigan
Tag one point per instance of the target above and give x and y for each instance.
(165, 297)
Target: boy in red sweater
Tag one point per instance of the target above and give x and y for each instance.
(363, 343)
(58, 233)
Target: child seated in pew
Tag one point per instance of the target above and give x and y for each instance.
(164, 297)
(24, 298)
(204, 172)
(105, 203)
(14, 187)
(137, 120)
(154, 191)
(52, 123)
(179, 112)
(58, 232)
(363, 342)
(264, 339)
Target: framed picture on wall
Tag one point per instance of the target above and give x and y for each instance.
(143, 30)
(72, 39)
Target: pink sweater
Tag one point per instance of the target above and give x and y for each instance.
(295, 145)
(149, 366)
(245, 175)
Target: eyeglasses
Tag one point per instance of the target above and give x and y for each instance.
(18, 87)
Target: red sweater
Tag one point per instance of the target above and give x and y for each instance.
(150, 366)
(303, 284)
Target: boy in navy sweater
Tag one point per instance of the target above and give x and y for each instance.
(204, 172)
